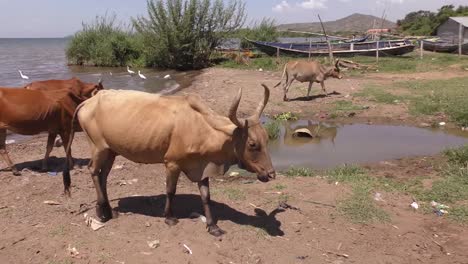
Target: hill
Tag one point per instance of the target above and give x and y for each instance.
(352, 23)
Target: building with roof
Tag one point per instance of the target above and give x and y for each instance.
(450, 29)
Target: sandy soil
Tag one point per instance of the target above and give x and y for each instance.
(257, 230)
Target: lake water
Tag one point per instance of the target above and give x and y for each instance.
(42, 59)
(334, 144)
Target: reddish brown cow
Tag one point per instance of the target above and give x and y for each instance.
(29, 112)
(85, 90)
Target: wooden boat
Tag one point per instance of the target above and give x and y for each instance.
(369, 48)
(443, 46)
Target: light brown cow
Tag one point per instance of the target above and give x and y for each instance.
(79, 88)
(308, 71)
(30, 112)
(179, 131)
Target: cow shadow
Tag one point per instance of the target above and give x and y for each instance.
(313, 97)
(54, 164)
(186, 204)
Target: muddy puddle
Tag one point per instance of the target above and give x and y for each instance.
(334, 144)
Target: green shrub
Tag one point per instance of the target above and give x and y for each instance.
(102, 42)
(263, 31)
(273, 129)
(182, 34)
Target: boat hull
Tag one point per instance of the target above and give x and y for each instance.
(386, 48)
(444, 47)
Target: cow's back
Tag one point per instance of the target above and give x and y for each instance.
(305, 71)
(27, 111)
(137, 125)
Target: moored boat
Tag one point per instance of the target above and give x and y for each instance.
(443, 46)
(369, 48)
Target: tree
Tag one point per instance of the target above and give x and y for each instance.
(182, 34)
(426, 22)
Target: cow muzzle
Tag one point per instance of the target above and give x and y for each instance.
(270, 175)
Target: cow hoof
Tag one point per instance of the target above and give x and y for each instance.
(215, 231)
(286, 99)
(171, 221)
(67, 193)
(115, 214)
(105, 214)
(16, 173)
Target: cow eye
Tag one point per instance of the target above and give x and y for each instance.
(252, 145)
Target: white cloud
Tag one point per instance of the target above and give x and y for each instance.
(313, 4)
(281, 7)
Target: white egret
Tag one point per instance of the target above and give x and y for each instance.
(24, 77)
(130, 71)
(141, 75)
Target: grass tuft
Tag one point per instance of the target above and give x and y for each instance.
(299, 172)
(378, 95)
(360, 207)
(234, 194)
(457, 156)
(286, 116)
(273, 128)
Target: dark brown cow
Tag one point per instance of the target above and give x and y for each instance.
(29, 112)
(85, 90)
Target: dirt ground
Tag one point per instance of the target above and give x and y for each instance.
(258, 230)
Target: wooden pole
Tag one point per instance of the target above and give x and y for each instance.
(277, 53)
(310, 47)
(377, 51)
(330, 52)
(421, 48)
(460, 39)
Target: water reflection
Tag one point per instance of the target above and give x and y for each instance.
(333, 144)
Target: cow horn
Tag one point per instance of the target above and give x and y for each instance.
(262, 104)
(233, 109)
(100, 81)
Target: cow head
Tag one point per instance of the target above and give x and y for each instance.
(250, 140)
(335, 72)
(90, 89)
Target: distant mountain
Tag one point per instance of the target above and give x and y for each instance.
(353, 23)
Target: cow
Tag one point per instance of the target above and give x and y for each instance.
(30, 112)
(179, 131)
(74, 84)
(308, 71)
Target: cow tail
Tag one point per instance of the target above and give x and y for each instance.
(66, 171)
(282, 76)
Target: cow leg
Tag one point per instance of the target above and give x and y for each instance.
(4, 153)
(50, 145)
(287, 85)
(172, 176)
(310, 88)
(322, 83)
(204, 187)
(66, 176)
(105, 170)
(101, 163)
(65, 139)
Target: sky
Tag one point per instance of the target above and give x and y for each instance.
(59, 18)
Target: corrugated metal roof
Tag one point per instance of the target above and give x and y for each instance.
(461, 20)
